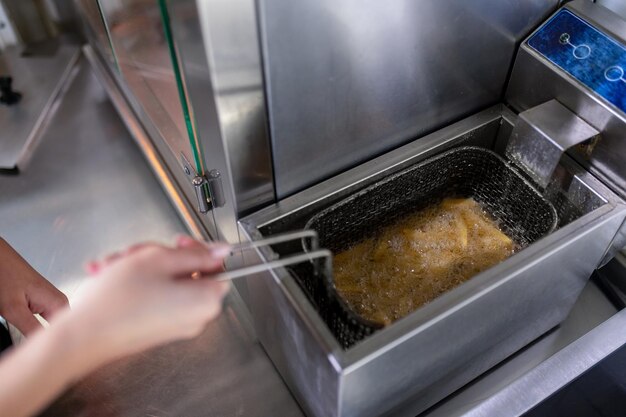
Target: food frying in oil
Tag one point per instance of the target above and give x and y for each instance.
(411, 262)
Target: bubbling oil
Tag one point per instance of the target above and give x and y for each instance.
(411, 262)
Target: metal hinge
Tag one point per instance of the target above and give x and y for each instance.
(209, 190)
(210, 184)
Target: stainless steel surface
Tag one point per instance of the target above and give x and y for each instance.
(222, 68)
(199, 184)
(40, 80)
(219, 49)
(540, 285)
(591, 332)
(223, 372)
(93, 193)
(176, 196)
(348, 81)
(216, 189)
(227, 101)
(142, 110)
(542, 134)
(615, 275)
(95, 30)
(138, 41)
(617, 6)
(534, 81)
(88, 191)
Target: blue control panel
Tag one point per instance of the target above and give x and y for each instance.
(590, 56)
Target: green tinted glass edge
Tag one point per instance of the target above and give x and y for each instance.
(165, 18)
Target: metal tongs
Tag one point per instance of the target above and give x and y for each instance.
(310, 253)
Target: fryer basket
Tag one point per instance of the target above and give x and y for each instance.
(521, 211)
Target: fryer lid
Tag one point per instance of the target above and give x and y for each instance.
(522, 212)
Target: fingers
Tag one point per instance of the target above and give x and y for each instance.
(188, 257)
(184, 241)
(20, 316)
(46, 300)
(205, 295)
(95, 266)
(206, 291)
(199, 257)
(143, 289)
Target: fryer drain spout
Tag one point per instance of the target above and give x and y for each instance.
(542, 134)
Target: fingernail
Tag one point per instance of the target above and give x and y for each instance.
(184, 240)
(92, 267)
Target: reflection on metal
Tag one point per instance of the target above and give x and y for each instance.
(617, 6)
(97, 31)
(147, 148)
(107, 34)
(349, 80)
(139, 43)
(89, 191)
(217, 41)
(146, 83)
(542, 134)
(42, 81)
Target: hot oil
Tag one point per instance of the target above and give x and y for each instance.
(413, 261)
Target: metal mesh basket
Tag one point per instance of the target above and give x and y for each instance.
(523, 214)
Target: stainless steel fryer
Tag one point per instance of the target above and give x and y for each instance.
(443, 345)
(288, 108)
(464, 171)
(429, 354)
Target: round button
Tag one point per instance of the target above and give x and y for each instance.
(582, 51)
(614, 73)
(564, 38)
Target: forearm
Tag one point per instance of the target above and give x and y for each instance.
(24, 292)
(35, 373)
(139, 300)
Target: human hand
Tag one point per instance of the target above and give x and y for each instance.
(145, 296)
(24, 292)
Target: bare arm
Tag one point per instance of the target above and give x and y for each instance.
(23, 292)
(138, 300)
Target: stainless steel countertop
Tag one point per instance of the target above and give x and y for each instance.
(88, 191)
(40, 79)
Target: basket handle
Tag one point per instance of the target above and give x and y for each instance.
(308, 255)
